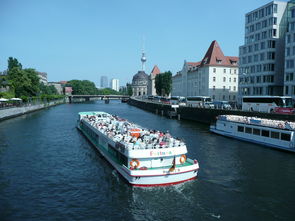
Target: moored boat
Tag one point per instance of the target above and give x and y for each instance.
(143, 157)
(272, 133)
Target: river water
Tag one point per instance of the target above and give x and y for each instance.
(49, 171)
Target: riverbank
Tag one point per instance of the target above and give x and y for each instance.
(11, 112)
(202, 115)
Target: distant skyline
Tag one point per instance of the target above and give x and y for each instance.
(89, 39)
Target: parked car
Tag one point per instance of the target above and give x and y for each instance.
(165, 100)
(209, 105)
(222, 105)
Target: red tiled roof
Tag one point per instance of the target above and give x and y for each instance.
(194, 63)
(63, 82)
(68, 89)
(155, 70)
(214, 56)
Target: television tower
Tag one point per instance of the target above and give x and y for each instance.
(143, 58)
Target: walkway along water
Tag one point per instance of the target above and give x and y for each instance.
(11, 112)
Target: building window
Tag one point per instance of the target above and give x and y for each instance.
(214, 79)
(229, 79)
(214, 70)
(224, 71)
(223, 88)
(274, 32)
(287, 90)
(235, 79)
(288, 38)
(275, 8)
(224, 79)
(223, 97)
(213, 88)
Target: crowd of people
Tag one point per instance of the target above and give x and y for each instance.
(131, 135)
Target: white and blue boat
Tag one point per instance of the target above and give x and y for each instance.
(143, 157)
(272, 133)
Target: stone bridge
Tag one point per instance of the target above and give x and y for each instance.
(102, 97)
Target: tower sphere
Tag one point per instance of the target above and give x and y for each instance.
(143, 58)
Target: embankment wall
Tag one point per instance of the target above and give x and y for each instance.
(203, 115)
(17, 111)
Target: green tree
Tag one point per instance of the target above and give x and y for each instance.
(82, 87)
(49, 90)
(107, 91)
(13, 63)
(163, 83)
(24, 82)
(158, 84)
(129, 89)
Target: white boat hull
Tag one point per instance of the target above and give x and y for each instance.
(151, 177)
(265, 142)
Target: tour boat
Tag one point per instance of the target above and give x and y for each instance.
(273, 133)
(143, 157)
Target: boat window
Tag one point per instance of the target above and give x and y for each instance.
(248, 130)
(286, 137)
(265, 133)
(256, 131)
(240, 129)
(275, 135)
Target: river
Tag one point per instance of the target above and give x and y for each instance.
(49, 171)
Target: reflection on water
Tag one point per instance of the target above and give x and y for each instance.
(48, 170)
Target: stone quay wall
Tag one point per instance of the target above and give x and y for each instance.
(7, 113)
(203, 115)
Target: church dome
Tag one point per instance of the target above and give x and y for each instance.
(140, 78)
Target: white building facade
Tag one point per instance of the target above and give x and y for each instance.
(115, 84)
(215, 76)
(42, 77)
(262, 55)
(289, 76)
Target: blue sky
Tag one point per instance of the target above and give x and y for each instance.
(85, 39)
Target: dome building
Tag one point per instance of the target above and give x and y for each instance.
(139, 84)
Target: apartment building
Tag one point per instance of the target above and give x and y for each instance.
(262, 55)
(215, 76)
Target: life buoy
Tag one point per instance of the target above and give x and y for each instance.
(134, 163)
(182, 159)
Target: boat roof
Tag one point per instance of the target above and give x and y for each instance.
(278, 124)
(92, 113)
(133, 136)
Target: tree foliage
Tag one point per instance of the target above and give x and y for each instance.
(129, 89)
(25, 82)
(13, 63)
(107, 91)
(163, 83)
(82, 87)
(49, 90)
